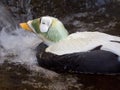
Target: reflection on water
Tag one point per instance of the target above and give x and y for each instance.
(19, 69)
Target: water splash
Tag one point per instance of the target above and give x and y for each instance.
(18, 46)
(15, 43)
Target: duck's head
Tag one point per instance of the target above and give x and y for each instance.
(50, 29)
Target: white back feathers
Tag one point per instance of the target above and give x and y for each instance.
(85, 41)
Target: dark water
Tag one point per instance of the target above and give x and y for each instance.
(77, 15)
(16, 77)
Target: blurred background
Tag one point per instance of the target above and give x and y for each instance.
(77, 15)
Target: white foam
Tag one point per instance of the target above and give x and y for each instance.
(19, 45)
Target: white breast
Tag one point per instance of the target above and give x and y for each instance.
(85, 41)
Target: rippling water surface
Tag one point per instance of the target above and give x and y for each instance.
(18, 66)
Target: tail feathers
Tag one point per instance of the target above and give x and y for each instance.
(113, 47)
(119, 58)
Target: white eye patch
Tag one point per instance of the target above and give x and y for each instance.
(45, 23)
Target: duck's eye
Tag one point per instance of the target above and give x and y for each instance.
(45, 24)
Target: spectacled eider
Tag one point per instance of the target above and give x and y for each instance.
(81, 52)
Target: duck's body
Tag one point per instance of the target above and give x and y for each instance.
(88, 52)
(95, 61)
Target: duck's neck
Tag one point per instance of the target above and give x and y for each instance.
(55, 38)
(49, 42)
(45, 41)
(57, 32)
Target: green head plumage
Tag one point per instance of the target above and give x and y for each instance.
(50, 29)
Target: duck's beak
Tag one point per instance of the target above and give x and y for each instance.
(25, 27)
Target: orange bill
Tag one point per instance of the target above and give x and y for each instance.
(25, 27)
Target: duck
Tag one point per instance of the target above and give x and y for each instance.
(79, 52)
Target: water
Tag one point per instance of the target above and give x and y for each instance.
(20, 9)
(16, 45)
(15, 41)
(18, 66)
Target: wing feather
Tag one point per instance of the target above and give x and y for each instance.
(84, 42)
